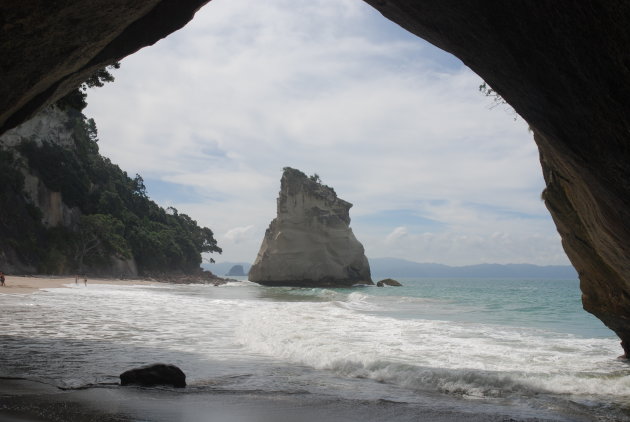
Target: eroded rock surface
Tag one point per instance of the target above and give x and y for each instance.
(53, 126)
(388, 282)
(310, 242)
(49, 48)
(566, 71)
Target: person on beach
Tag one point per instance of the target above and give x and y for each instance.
(76, 279)
(85, 280)
(1, 278)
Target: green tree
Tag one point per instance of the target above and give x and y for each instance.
(99, 237)
(60, 169)
(138, 187)
(118, 218)
(76, 99)
(91, 129)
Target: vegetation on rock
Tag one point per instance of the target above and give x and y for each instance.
(117, 219)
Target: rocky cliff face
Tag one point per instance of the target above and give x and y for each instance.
(50, 48)
(310, 242)
(53, 126)
(566, 71)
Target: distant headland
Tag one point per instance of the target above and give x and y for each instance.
(396, 267)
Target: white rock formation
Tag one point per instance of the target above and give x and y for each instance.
(310, 242)
(51, 124)
(54, 126)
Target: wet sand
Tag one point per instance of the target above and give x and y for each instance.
(29, 401)
(28, 284)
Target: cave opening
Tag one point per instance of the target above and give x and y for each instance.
(534, 55)
(217, 109)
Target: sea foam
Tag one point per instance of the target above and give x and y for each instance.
(468, 359)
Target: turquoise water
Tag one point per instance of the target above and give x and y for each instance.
(522, 348)
(553, 305)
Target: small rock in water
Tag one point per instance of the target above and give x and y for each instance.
(236, 270)
(154, 375)
(388, 282)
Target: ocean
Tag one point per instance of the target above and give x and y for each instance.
(434, 349)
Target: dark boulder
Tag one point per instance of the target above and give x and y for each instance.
(154, 375)
(388, 282)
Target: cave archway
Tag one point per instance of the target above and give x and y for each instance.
(564, 68)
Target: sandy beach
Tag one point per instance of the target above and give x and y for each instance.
(32, 284)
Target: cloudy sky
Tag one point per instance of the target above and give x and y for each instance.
(211, 115)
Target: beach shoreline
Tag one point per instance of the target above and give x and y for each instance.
(64, 348)
(25, 400)
(36, 283)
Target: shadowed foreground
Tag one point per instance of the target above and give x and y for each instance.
(28, 401)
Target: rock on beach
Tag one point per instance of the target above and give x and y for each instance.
(154, 375)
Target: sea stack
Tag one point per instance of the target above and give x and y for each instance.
(236, 271)
(310, 242)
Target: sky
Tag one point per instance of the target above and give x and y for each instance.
(210, 115)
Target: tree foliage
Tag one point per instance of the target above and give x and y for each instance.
(118, 218)
(487, 90)
(76, 99)
(497, 100)
(99, 236)
(20, 229)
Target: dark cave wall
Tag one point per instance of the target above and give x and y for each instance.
(48, 48)
(563, 66)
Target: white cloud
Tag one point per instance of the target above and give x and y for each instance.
(330, 87)
(238, 234)
(397, 233)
